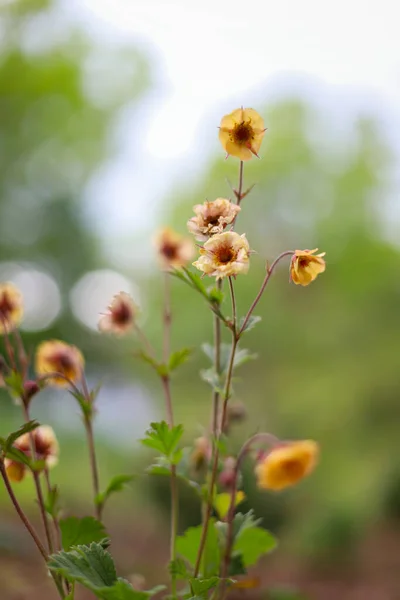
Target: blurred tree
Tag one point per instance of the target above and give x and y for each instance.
(60, 98)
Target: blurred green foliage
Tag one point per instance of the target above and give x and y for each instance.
(328, 353)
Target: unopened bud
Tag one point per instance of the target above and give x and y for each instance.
(228, 474)
(31, 388)
(201, 454)
(236, 412)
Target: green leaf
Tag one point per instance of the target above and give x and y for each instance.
(252, 543)
(251, 323)
(162, 438)
(211, 377)
(15, 383)
(116, 484)
(92, 566)
(222, 502)
(18, 456)
(178, 569)
(178, 358)
(162, 467)
(216, 296)
(27, 428)
(187, 546)
(243, 356)
(236, 566)
(160, 368)
(86, 407)
(83, 531)
(200, 587)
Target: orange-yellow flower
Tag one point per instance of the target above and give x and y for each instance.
(224, 255)
(55, 356)
(46, 449)
(241, 133)
(121, 316)
(212, 218)
(11, 308)
(174, 250)
(287, 464)
(305, 267)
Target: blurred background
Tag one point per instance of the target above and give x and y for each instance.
(108, 129)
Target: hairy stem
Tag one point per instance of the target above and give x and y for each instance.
(21, 513)
(98, 508)
(217, 366)
(167, 321)
(238, 193)
(55, 518)
(263, 286)
(29, 527)
(214, 470)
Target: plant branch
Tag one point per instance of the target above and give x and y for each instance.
(263, 286)
(166, 383)
(217, 366)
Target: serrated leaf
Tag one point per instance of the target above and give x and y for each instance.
(187, 545)
(251, 323)
(200, 587)
(178, 358)
(92, 566)
(117, 484)
(222, 502)
(252, 543)
(83, 531)
(237, 566)
(244, 521)
(162, 438)
(27, 428)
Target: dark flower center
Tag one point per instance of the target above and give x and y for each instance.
(122, 314)
(225, 254)
(64, 361)
(303, 262)
(211, 221)
(169, 251)
(6, 306)
(242, 133)
(293, 469)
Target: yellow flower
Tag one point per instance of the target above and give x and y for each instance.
(11, 308)
(305, 267)
(212, 218)
(241, 133)
(55, 356)
(287, 464)
(224, 255)
(174, 250)
(46, 449)
(121, 316)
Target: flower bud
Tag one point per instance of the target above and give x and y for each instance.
(31, 388)
(201, 454)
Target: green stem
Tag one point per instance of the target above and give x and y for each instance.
(166, 383)
(98, 507)
(214, 471)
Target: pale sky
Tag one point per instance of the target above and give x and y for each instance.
(213, 55)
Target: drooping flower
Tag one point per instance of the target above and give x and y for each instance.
(174, 250)
(305, 266)
(11, 307)
(121, 315)
(241, 133)
(286, 464)
(55, 356)
(201, 454)
(224, 255)
(212, 218)
(46, 449)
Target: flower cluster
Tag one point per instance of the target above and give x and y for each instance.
(46, 450)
